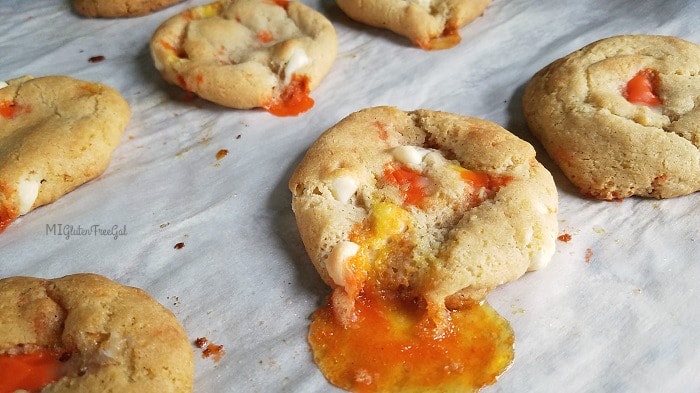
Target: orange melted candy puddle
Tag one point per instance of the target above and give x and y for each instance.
(392, 347)
(32, 371)
(294, 98)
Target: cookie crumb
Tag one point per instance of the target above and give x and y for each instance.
(221, 154)
(179, 246)
(516, 310)
(96, 59)
(164, 225)
(588, 255)
(213, 351)
(209, 349)
(565, 237)
(238, 136)
(201, 342)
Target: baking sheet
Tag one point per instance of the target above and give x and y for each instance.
(617, 310)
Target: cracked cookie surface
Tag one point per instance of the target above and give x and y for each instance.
(109, 337)
(56, 133)
(431, 204)
(119, 8)
(621, 116)
(247, 53)
(430, 24)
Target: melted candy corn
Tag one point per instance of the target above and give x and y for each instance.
(392, 347)
(31, 371)
(411, 183)
(9, 110)
(641, 89)
(294, 98)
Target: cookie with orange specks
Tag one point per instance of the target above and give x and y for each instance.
(56, 133)
(119, 8)
(437, 205)
(430, 24)
(621, 116)
(86, 333)
(247, 53)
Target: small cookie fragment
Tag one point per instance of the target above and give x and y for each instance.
(119, 8)
(57, 133)
(621, 116)
(247, 53)
(429, 24)
(94, 335)
(431, 204)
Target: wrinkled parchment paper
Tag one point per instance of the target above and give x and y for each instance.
(617, 310)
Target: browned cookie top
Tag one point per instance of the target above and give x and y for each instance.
(441, 205)
(109, 337)
(246, 53)
(56, 133)
(430, 24)
(119, 8)
(621, 116)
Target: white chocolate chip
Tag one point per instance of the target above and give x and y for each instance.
(541, 257)
(540, 207)
(110, 350)
(336, 265)
(3, 84)
(343, 188)
(296, 61)
(434, 157)
(409, 155)
(27, 191)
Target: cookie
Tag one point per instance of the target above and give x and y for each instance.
(247, 53)
(90, 334)
(621, 116)
(435, 205)
(429, 24)
(57, 133)
(119, 8)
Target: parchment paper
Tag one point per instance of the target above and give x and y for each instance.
(625, 320)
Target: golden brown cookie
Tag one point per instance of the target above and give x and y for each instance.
(432, 204)
(56, 133)
(90, 334)
(247, 53)
(430, 24)
(621, 116)
(119, 8)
